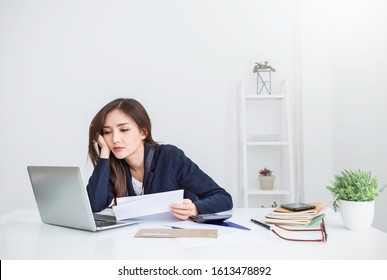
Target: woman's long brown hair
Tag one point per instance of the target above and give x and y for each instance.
(133, 109)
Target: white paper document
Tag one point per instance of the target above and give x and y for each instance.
(144, 205)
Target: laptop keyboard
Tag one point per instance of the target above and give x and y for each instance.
(104, 220)
(104, 223)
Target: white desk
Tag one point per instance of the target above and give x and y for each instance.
(24, 236)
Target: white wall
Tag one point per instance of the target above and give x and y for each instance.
(359, 59)
(315, 86)
(343, 51)
(62, 60)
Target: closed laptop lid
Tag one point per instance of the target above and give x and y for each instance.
(61, 196)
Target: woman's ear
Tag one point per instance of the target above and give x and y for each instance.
(144, 133)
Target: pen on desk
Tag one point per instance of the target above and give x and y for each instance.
(261, 224)
(175, 227)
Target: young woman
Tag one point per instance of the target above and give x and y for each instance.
(129, 162)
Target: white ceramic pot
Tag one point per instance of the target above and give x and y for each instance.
(357, 215)
(266, 182)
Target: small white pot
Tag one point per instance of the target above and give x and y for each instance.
(266, 182)
(357, 215)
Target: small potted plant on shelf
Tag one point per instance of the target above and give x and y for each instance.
(354, 192)
(263, 70)
(262, 66)
(266, 179)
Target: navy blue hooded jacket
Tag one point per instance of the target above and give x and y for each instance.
(170, 169)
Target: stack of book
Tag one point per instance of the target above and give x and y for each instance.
(304, 218)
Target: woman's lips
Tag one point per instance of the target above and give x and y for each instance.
(118, 149)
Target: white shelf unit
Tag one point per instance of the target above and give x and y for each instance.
(265, 141)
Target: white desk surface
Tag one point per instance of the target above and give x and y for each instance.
(24, 236)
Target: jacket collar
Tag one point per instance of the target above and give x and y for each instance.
(149, 151)
(148, 173)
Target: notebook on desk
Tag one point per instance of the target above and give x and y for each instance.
(62, 199)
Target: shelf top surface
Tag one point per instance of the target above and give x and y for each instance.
(267, 143)
(269, 192)
(272, 96)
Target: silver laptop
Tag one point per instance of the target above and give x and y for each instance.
(62, 199)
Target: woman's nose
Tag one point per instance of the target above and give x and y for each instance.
(116, 138)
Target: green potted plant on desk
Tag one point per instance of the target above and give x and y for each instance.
(354, 192)
(266, 179)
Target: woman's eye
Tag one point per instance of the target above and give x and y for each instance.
(106, 132)
(124, 129)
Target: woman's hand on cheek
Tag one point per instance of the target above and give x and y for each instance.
(105, 151)
(184, 210)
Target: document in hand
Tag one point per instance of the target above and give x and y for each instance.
(144, 205)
